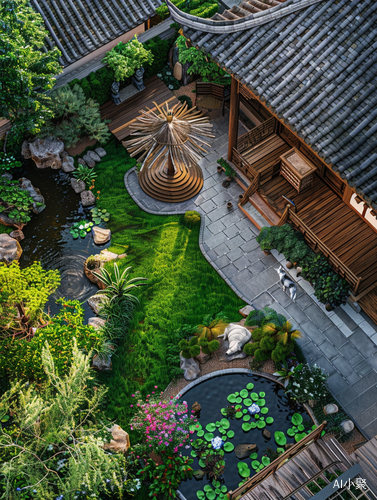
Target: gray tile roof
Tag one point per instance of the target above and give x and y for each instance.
(314, 64)
(78, 27)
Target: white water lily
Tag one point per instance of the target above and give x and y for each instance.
(81, 227)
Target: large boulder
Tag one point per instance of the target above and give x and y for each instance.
(101, 152)
(89, 161)
(120, 441)
(10, 249)
(95, 302)
(94, 156)
(26, 185)
(87, 198)
(77, 185)
(67, 164)
(45, 152)
(7, 221)
(191, 368)
(100, 235)
(244, 450)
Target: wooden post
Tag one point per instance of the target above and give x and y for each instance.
(233, 117)
(170, 166)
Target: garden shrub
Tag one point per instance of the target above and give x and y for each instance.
(125, 58)
(264, 316)
(22, 358)
(100, 93)
(308, 383)
(191, 218)
(160, 51)
(166, 75)
(185, 99)
(329, 286)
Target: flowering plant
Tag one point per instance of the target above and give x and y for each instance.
(8, 162)
(308, 383)
(165, 425)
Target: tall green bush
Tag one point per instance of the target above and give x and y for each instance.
(125, 58)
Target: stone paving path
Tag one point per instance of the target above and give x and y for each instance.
(342, 342)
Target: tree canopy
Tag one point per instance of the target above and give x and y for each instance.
(27, 70)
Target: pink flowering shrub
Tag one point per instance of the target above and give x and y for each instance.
(163, 425)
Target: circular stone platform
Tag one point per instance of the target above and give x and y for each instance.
(180, 187)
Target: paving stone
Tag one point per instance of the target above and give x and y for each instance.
(249, 246)
(362, 342)
(222, 262)
(349, 322)
(367, 328)
(367, 416)
(283, 298)
(216, 214)
(241, 263)
(341, 365)
(245, 223)
(362, 402)
(257, 267)
(304, 301)
(208, 206)
(230, 271)
(235, 254)
(307, 287)
(242, 278)
(250, 290)
(277, 307)
(216, 227)
(296, 313)
(263, 300)
(269, 260)
(356, 359)
(231, 231)
(366, 382)
(265, 279)
(363, 367)
(247, 235)
(348, 350)
(215, 240)
(353, 377)
(317, 317)
(325, 364)
(311, 351)
(345, 397)
(337, 383)
(273, 288)
(372, 360)
(210, 182)
(312, 332)
(221, 249)
(234, 242)
(211, 254)
(371, 430)
(328, 350)
(335, 336)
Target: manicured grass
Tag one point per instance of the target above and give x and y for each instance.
(182, 286)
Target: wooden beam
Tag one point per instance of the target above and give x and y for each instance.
(233, 117)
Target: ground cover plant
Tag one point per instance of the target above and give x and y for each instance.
(199, 8)
(182, 287)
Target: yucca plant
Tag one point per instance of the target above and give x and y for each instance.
(118, 287)
(210, 330)
(287, 333)
(285, 374)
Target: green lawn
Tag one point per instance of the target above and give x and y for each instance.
(182, 287)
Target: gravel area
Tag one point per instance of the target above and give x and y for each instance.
(187, 90)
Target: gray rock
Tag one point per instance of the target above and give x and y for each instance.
(94, 156)
(347, 426)
(89, 161)
(25, 150)
(17, 235)
(45, 152)
(101, 364)
(330, 408)
(120, 441)
(67, 164)
(101, 152)
(7, 221)
(10, 249)
(77, 185)
(245, 311)
(81, 161)
(87, 198)
(7, 176)
(26, 185)
(202, 357)
(244, 450)
(100, 235)
(190, 366)
(266, 434)
(96, 323)
(95, 302)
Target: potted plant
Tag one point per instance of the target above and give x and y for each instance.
(127, 58)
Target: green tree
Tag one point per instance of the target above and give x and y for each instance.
(23, 295)
(54, 445)
(26, 71)
(125, 58)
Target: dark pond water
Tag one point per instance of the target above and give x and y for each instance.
(47, 236)
(212, 396)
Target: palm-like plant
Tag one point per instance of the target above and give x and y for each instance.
(119, 286)
(286, 333)
(211, 329)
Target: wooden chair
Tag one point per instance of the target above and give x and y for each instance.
(219, 92)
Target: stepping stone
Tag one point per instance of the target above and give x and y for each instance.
(245, 311)
(87, 198)
(67, 164)
(89, 161)
(107, 256)
(100, 235)
(94, 156)
(17, 235)
(77, 185)
(101, 152)
(82, 162)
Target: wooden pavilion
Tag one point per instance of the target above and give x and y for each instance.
(305, 72)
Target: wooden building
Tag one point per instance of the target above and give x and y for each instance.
(306, 72)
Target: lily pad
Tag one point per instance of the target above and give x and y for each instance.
(255, 464)
(261, 402)
(193, 453)
(296, 419)
(200, 494)
(269, 420)
(202, 463)
(208, 436)
(223, 437)
(264, 410)
(200, 433)
(223, 411)
(280, 438)
(250, 386)
(228, 446)
(280, 450)
(254, 396)
(246, 427)
(291, 432)
(230, 434)
(253, 425)
(207, 487)
(261, 424)
(247, 402)
(265, 460)
(244, 393)
(262, 394)
(223, 489)
(239, 414)
(211, 495)
(300, 427)
(210, 427)
(224, 423)
(244, 411)
(239, 400)
(236, 393)
(231, 398)
(254, 456)
(299, 436)
(243, 469)
(246, 418)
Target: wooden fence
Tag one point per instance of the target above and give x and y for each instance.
(257, 135)
(250, 172)
(278, 462)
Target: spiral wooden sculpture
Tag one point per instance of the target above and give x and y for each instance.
(170, 144)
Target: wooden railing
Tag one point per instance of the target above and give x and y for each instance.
(250, 172)
(257, 134)
(278, 462)
(317, 245)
